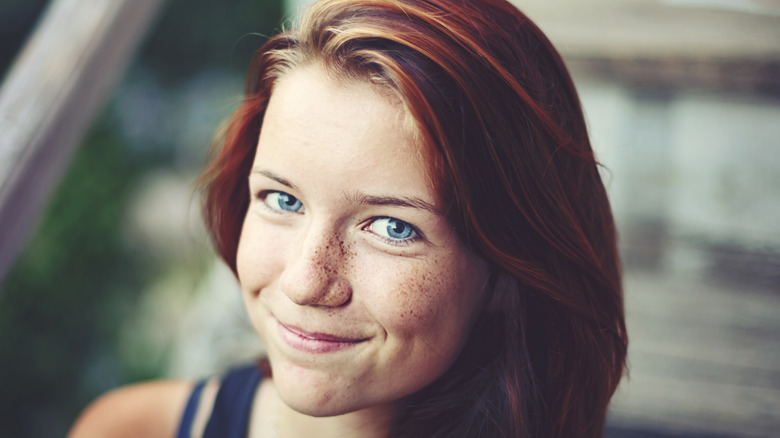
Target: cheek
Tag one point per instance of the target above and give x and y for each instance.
(257, 258)
(427, 300)
(416, 299)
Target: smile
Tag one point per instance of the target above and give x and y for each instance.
(315, 342)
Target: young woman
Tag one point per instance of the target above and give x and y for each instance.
(409, 200)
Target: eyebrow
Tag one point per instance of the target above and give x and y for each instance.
(394, 201)
(275, 177)
(362, 198)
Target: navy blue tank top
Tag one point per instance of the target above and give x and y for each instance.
(232, 406)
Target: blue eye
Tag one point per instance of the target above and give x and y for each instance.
(283, 201)
(394, 230)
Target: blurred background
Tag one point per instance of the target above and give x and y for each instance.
(115, 282)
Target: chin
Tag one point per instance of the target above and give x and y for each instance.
(322, 406)
(324, 397)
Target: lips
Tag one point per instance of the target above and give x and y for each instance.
(315, 342)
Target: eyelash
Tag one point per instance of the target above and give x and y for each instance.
(416, 234)
(263, 196)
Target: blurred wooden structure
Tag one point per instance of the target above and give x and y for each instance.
(50, 97)
(704, 355)
(691, 45)
(704, 358)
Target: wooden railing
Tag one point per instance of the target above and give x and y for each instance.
(50, 96)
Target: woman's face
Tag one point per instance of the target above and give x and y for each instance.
(358, 286)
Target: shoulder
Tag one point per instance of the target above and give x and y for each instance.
(146, 409)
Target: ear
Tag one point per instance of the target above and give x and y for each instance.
(502, 291)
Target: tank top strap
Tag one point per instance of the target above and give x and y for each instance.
(233, 404)
(185, 426)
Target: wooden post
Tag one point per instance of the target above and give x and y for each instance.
(51, 95)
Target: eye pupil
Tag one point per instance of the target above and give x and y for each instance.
(398, 229)
(288, 202)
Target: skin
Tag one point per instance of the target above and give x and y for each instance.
(326, 250)
(151, 409)
(334, 265)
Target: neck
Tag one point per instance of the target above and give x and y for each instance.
(273, 418)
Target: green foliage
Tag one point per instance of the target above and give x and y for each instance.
(59, 307)
(62, 304)
(197, 35)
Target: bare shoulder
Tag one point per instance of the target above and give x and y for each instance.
(149, 409)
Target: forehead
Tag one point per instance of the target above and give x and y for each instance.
(297, 78)
(314, 118)
(307, 90)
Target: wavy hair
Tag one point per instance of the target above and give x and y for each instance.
(498, 118)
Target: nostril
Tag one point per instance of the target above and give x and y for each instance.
(315, 275)
(338, 294)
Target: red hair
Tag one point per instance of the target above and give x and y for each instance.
(501, 126)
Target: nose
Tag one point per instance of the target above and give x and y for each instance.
(314, 271)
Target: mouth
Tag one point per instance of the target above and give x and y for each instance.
(315, 342)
